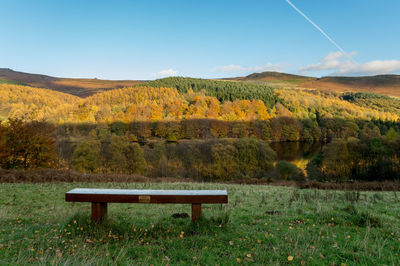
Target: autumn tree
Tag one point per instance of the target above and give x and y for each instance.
(87, 156)
(254, 157)
(26, 144)
(225, 165)
(126, 157)
(391, 135)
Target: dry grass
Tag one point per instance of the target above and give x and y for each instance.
(77, 87)
(55, 176)
(338, 86)
(359, 186)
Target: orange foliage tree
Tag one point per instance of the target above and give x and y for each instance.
(26, 145)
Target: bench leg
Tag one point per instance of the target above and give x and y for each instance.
(99, 211)
(196, 211)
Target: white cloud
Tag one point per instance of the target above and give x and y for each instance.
(241, 69)
(229, 68)
(375, 67)
(340, 64)
(165, 73)
(337, 55)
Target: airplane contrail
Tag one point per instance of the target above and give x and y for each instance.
(320, 30)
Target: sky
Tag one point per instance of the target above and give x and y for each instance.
(151, 39)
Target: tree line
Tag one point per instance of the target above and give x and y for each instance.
(276, 129)
(32, 144)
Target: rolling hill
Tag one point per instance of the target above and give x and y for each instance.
(383, 84)
(274, 77)
(77, 87)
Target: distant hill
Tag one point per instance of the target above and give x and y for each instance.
(273, 78)
(77, 87)
(383, 84)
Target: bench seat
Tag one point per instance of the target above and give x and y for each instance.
(100, 198)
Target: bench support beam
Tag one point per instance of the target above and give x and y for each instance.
(196, 211)
(99, 211)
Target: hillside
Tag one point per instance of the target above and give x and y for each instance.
(274, 78)
(17, 101)
(383, 84)
(188, 98)
(77, 87)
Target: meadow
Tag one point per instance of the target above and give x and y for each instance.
(261, 224)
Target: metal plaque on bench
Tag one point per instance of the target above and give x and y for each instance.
(144, 199)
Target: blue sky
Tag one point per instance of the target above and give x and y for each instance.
(150, 39)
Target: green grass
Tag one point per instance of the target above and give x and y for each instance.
(260, 225)
(8, 81)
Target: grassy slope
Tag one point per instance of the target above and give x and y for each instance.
(266, 225)
(78, 87)
(87, 87)
(274, 79)
(383, 84)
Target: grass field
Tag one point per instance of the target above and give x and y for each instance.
(260, 225)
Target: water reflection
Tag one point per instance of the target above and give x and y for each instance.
(298, 153)
(292, 151)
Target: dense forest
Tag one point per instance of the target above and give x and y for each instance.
(144, 103)
(203, 129)
(222, 90)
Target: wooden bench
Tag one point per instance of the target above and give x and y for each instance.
(100, 197)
